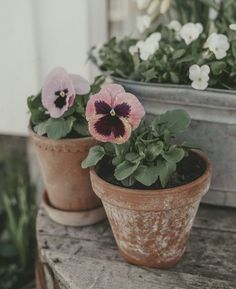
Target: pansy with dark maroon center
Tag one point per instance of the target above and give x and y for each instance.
(113, 114)
(59, 91)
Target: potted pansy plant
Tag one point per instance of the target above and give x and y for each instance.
(149, 184)
(59, 132)
(184, 57)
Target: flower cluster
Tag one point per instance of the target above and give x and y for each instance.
(175, 49)
(170, 52)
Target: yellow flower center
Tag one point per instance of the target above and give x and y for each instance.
(62, 94)
(112, 112)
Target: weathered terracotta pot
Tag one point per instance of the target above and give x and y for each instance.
(68, 185)
(151, 227)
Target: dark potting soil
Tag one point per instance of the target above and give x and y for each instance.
(188, 170)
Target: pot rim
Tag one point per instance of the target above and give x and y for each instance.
(61, 141)
(170, 85)
(154, 192)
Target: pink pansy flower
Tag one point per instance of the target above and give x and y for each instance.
(59, 91)
(112, 114)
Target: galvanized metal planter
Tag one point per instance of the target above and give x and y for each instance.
(213, 127)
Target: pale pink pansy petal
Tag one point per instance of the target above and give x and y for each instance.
(128, 131)
(102, 95)
(137, 111)
(114, 89)
(81, 85)
(57, 80)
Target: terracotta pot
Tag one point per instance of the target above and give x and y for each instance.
(151, 227)
(68, 185)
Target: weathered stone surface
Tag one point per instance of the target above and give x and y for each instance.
(87, 257)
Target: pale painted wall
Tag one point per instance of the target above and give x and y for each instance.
(37, 35)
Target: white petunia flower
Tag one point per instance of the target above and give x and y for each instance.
(142, 4)
(232, 27)
(149, 46)
(190, 32)
(199, 76)
(176, 27)
(133, 49)
(143, 22)
(165, 5)
(213, 13)
(218, 44)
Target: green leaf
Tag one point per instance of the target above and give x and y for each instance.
(149, 74)
(188, 146)
(81, 126)
(40, 128)
(147, 175)
(128, 182)
(210, 3)
(165, 171)
(174, 155)
(125, 169)
(153, 150)
(234, 48)
(174, 77)
(188, 58)
(178, 53)
(36, 109)
(117, 160)
(58, 128)
(176, 121)
(217, 67)
(132, 157)
(109, 148)
(96, 153)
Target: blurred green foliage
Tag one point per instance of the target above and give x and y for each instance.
(17, 219)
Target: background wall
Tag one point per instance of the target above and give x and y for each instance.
(37, 35)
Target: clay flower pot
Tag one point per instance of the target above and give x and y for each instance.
(151, 227)
(67, 185)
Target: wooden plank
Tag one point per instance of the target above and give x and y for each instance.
(209, 253)
(216, 218)
(209, 261)
(93, 273)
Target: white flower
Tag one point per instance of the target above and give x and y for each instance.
(143, 22)
(149, 46)
(218, 44)
(190, 32)
(133, 49)
(213, 13)
(142, 4)
(232, 27)
(165, 5)
(199, 76)
(176, 27)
